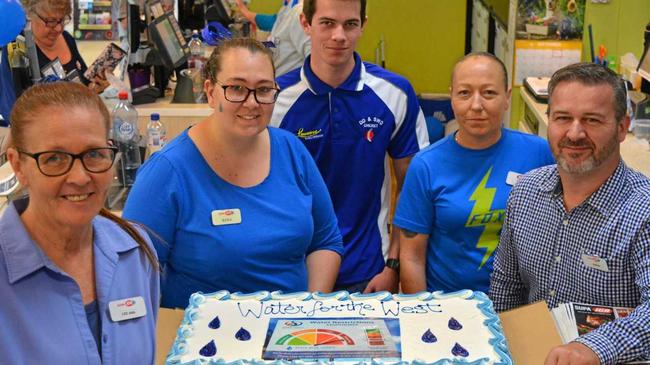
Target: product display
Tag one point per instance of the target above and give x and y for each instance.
(456, 328)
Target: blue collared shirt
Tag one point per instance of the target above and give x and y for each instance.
(542, 246)
(41, 309)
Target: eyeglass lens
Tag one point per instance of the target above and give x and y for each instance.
(263, 95)
(58, 163)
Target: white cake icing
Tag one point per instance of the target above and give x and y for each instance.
(480, 336)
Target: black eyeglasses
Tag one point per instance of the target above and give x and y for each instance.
(52, 23)
(57, 163)
(239, 93)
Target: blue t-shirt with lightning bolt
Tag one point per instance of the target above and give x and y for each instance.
(458, 197)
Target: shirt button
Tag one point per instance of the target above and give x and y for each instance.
(565, 222)
(551, 293)
(558, 259)
(105, 338)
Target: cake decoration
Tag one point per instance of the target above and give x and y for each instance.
(215, 323)
(340, 328)
(459, 350)
(429, 337)
(454, 324)
(209, 350)
(243, 335)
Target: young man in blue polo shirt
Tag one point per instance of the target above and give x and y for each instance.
(353, 116)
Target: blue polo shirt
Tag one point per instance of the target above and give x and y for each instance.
(42, 313)
(351, 131)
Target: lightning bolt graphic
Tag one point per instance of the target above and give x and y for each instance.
(483, 216)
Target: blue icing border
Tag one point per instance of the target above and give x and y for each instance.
(492, 322)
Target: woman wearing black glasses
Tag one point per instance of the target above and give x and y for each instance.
(79, 285)
(48, 18)
(241, 206)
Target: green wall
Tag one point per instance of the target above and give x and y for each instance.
(618, 25)
(423, 38)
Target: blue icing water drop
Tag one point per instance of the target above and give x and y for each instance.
(208, 350)
(429, 337)
(215, 323)
(454, 324)
(243, 335)
(459, 350)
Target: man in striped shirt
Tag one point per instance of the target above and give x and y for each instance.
(579, 231)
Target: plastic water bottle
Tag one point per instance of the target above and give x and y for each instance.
(195, 65)
(125, 130)
(196, 59)
(156, 134)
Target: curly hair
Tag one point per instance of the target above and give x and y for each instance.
(51, 6)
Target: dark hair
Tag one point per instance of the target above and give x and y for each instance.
(213, 65)
(487, 55)
(591, 74)
(31, 107)
(309, 9)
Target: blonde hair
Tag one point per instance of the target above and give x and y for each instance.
(31, 107)
(51, 6)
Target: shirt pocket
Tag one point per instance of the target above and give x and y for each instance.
(597, 286)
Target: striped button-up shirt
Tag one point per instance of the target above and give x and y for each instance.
(543, 249)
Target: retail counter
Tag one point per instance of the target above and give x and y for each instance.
(175, 117)
(635, 152)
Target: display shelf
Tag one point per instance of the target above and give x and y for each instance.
(95, 26)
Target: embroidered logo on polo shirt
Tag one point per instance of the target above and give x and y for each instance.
(370, 134)
(307, 135)
(371, 122)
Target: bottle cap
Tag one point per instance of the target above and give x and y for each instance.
(123, 95)
(155, 116)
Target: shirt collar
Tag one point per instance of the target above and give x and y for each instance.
(354, 82)
(602, 198)
(23, 256)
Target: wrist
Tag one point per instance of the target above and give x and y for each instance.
(393, 264)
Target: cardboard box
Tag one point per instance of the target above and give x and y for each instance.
(168, 322)
(530, 331)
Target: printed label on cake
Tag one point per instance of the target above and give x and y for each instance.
(332, 338)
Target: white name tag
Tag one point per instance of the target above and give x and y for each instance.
(226, 216)
(512, 178)
(595, 262)
(129, 308)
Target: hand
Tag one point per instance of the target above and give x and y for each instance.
(385, 280)
(99, 83)
(573, 353)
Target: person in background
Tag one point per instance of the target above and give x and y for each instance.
(66, 262)
(451, 208)
(240, 205)
(353, 116)
(291, 43)
(48, 18)
(579, 231)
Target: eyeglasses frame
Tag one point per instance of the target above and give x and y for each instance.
(78, 156)
(254, 91)
(48, 23)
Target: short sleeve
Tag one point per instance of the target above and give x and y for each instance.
(416, 207)
(411, 134)
(153, 202)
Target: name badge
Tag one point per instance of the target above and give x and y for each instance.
(512, 178)
(224, 217)
(129, 308)
(595, 262)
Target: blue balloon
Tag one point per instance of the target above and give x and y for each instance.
(12, 18)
